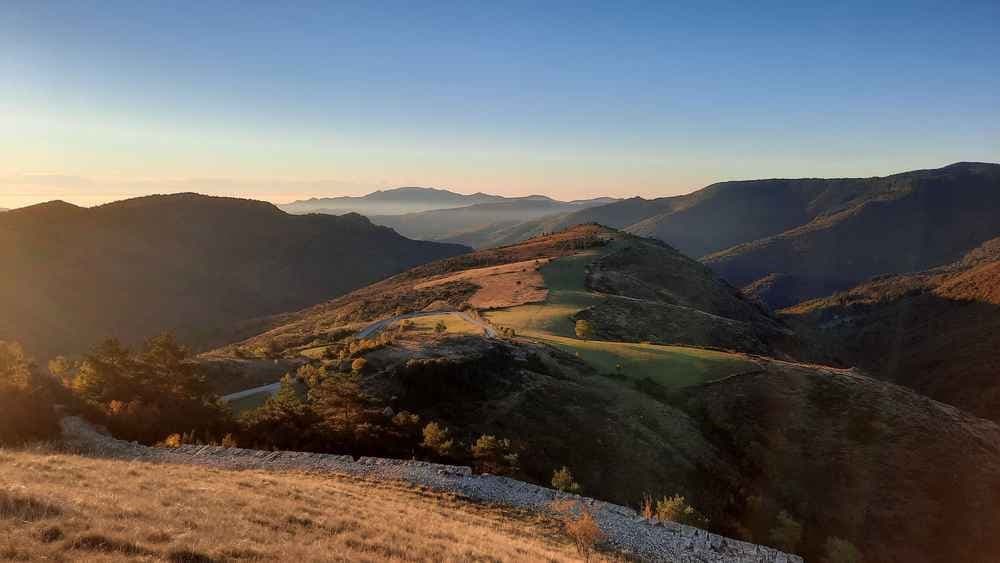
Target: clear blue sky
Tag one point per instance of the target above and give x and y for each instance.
(102, 100)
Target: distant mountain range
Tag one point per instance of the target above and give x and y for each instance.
(481, 224)
(390, 202)
(197, 265)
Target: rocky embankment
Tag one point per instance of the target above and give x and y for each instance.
(625, 529)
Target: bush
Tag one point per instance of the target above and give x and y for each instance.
(584, 329)
(837, 550)
(440, 328)
(677, 509)
(580, 525)
(786, 533)
(437, 439)
(495, 455)
(562, 480)
(359, 365)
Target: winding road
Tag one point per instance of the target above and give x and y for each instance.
(272, 388)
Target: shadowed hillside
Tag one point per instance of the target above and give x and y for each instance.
(196, 265)
(900, 223)
(937, 331)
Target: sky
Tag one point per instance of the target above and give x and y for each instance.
(105, 100)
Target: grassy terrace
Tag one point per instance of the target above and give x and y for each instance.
(551, 322)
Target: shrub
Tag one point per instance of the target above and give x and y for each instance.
(786, 533)
(648, 509)
(584, 329)
(359, 365)
(495, 455)
(562, 480)
(837, 550)
(677, 509)
(580, 525)
(437, 439)
(172, 441)
(440, 328)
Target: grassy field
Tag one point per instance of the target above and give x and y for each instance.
(63, 507)
(670, 366)
(551, 322)
(568, 294)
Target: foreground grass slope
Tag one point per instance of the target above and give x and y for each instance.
(69, 508)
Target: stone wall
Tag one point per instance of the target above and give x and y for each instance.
(625, 529)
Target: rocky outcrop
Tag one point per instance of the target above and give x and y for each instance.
(625, 529)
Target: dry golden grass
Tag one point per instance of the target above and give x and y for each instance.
(507, 285)
(63, 507)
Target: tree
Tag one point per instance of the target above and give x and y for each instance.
(562, 480)
(495, 455)
(584, 329)
(438, 439)
(26, 412)
(786, 533)
(150, 393)
(284, 421)
(350, 416)
(837, 550)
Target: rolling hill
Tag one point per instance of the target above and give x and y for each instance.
(671, 389)
(200, 266)
(390, 202)
(936, 331)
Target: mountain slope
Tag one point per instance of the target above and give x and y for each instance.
(903, 477)
(390, 202)
(901, 223)
(936, 331)
(192, 264)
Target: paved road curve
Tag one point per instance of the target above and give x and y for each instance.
(367, 331)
